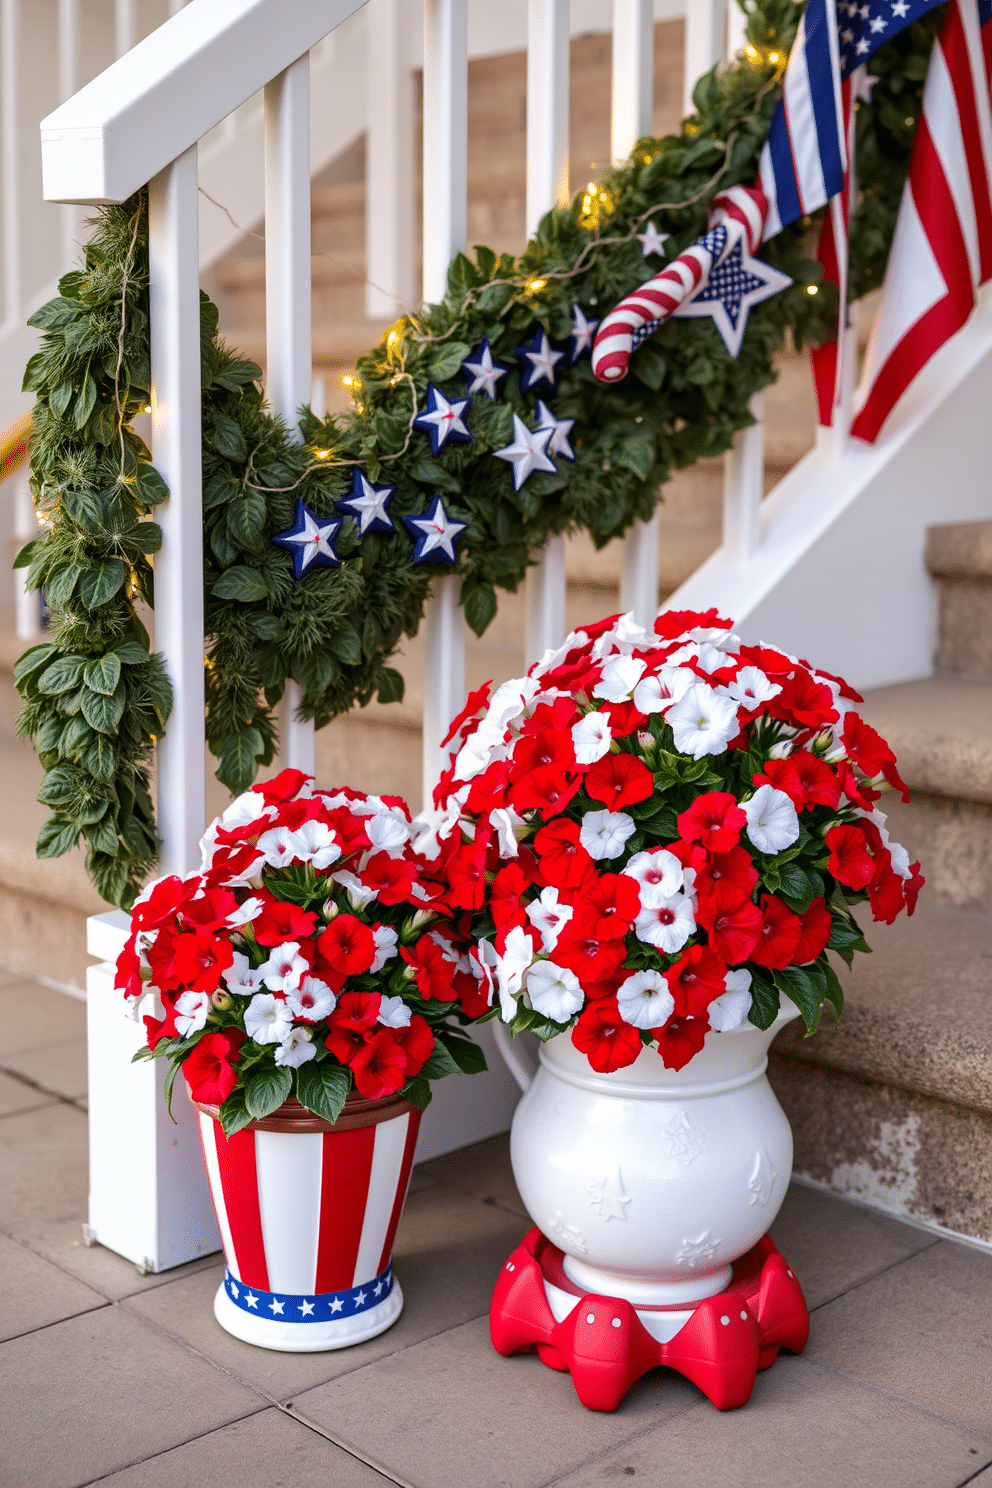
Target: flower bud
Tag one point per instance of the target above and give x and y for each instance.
(220, 1000)
(330, 910)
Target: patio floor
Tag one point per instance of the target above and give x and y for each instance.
(107, 1376)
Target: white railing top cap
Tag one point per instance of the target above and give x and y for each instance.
(172, 89)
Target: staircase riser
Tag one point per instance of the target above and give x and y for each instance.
(911, 1156)
(966, 627)
(952, 839)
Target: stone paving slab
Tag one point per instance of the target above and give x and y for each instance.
(58, 1068)
(35, 1293)
(32, 1015)
(43, 1167)
(16, 1095)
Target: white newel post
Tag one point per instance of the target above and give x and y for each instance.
(632, 113)
(547, 187)
(288, 371)
(149, 1199)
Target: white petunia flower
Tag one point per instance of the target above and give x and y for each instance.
(245, 913)
(665, 923)
(358, 893)
(591, 738)
(393, 1012)
(549, 917)
(388, 833)
(279, 846)
(659, 874)
(268, 1019)
(621, 675)
(505, 821)
(625, 636)
(710, 658)
(703, 721)
(731, 1008)
(312, 999)
(751, 687)
(296, 1048)
(772, 823)
(246, 809)
(603, 833)
(284, 969)
(191, 1012)
(653, 694)
(554, 991)
(385, 938)
(316, 843)
(645, 1000)
(518, 953)
(239, 977)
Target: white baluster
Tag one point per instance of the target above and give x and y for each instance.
(287, 299)
(445, 173)
(27, 602)
(389, 168)
(174, 329)
(318, 396)
(547, 186)
(736, 28)
(704, 42)
(633, 106)
(743, 487)
(125, 26)
(70, 81)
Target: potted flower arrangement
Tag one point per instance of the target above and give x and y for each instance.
(666, 834)
(308, 985)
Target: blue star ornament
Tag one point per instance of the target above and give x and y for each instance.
(734, 285)
(310, 540)
(528, 452)
(442, 420)
(436, 534)
(482, 373)
(583, 334)
(368, 504)
(539, 361)
(560, 430)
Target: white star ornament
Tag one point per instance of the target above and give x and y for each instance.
(560, 430)
(528, 452)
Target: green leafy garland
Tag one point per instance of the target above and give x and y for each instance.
(95, 699)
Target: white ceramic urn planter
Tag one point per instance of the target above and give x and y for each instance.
(651, 1181)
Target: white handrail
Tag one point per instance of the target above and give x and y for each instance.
(288, 372)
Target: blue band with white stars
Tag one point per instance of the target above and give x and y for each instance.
(319, 1307)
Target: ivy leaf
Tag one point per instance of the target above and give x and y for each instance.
(56, 837)
(101, 712)
(241, 583)
(479, 603)
(85, 402)
(391, 686)
(101, 583)
(61, 676)
(150, 486)
(323, 1088)
(266, 1091)
(103, 674)
(764, 1002)
(447, 360)
(237, 763)
(225, 436)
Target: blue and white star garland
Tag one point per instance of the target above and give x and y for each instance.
(436, 534)
(539, 362)
(315, 1307)
(482, 373)
(310, 540)
(442, 420)
(368, 504)
(583, 334)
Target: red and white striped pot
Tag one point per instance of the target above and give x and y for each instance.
(307, 1214)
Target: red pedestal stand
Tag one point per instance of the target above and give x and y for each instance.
(605, 1346)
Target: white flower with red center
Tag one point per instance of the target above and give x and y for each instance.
(751, 687)
(285, 968)
(620, 676)
(268, 1019)
(604, 833)
(245, 913)
(393, 1012)
(518, 953)
(668, 685)
(659, 873)
(315, 843)
(245, 809)
(240, 978)
(549, 916)
(359, 894)
(665, 924)
(386, 941)
(591, 738)
(703, 721)
(711, 658)
(191, 1012)
(278, 846)
(554, 991)
(388, 832)
(644, 1000)
(772, 823)
(731, 1008)
(296, 1048)
(312, 999)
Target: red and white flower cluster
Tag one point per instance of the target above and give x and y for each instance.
(659, 834)
(313, 935)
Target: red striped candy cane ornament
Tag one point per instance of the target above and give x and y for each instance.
(735, 214)
(307, 1214)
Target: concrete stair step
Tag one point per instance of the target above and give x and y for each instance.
(893, 1107)
(959, 555)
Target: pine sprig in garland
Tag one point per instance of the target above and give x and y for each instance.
(95, 699)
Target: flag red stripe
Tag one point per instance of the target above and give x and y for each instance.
(344, 1189)
(405, 1166)
(954, 45)
(937, 212)
(239, 1181)
(912, 352)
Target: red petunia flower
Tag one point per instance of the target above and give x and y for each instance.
(912, 886)
(379, 1067)
(564, 861)
(604, 1038)
(282, 787)
(670, 624)
(157, 1029)
(506, 896)
(347, 946)
(211, 910)
(164, 902)
(608, 906)
(434, 971)
(619, 780)
(490, 789)
(859, 793)
(806, 780)
(869, 751)
(624, 718)
(885, 894)
(780, 934)
(417, 1042)
(390, 879)
(191, 961)
(696, 978)
(544, 746)
(127, 978)
(209, 1068)
(732, 920)
(816, 926)
(547, 789)
(850, 861)
(804, 701)
(466, 874)
(475, 705)
(680, 1039)
(280, 921)
(713, 819)
(349, 1024)
(734, 868)
(591, 959)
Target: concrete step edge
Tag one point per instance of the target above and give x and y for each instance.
(939, 730)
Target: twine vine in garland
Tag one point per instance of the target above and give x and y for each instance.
(93, 697)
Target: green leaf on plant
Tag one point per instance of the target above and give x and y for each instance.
(441, 1063)
(56, 837)
(61, 676)
(806, 985)
(234, 1113)
(100, 583)
(266, 1091)
(101, 712)
(237, 764)
(226, 438)
(764, 1002)
(103, 674)
(323, 1088)
(151, 488)
(447, 360)
(241, 583)
(466, 1054)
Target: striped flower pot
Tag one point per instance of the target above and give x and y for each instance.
(307, 1214)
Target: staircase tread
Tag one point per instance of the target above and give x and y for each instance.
(916, 1012)
(941, 730)
(960, 550)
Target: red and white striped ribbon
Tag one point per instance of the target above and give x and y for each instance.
(742, 211)
(309, 1213)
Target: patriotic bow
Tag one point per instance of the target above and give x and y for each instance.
(736, 214)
